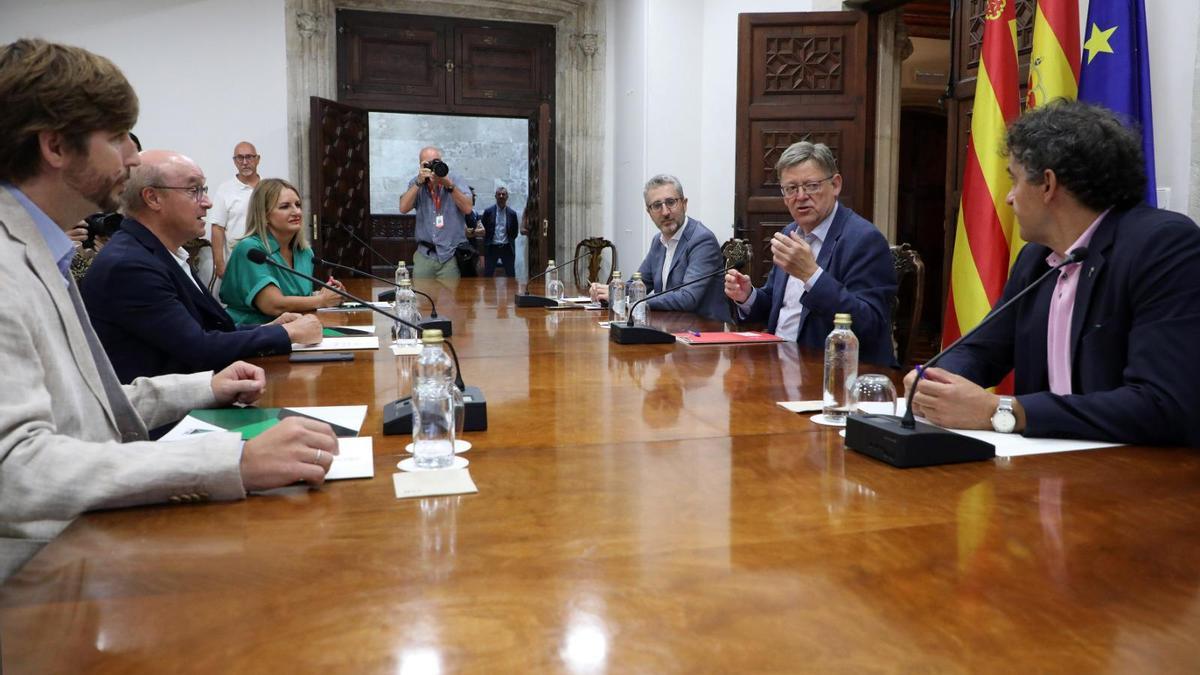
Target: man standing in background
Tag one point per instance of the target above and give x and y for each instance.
(500, 236)
(227, 218)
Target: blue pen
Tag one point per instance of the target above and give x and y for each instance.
(695, 332)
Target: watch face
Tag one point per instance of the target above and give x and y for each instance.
(1004, 421)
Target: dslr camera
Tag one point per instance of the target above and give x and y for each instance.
(438, 167)
(101, 225)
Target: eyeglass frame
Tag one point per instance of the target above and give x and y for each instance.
(199, 192)
(244, 158)
(669, 202)
(807, 188)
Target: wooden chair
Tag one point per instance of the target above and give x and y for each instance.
(594, 260)
(906, 306)
(736, 253)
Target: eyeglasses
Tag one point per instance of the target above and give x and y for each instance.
(244, 158)
(670, 203)
(196, 192)
(810, 188)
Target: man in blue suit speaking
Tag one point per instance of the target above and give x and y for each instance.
(149, 310)
(829, 260)
(685, 250)
(1107, 348)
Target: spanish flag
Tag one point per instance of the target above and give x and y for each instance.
(985, 232)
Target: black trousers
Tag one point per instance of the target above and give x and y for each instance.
(506, 253)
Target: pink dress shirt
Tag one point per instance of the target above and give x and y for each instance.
(1062, 307)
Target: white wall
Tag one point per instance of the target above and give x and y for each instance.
(1171, 31)
(208, 73)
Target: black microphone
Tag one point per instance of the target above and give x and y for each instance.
(398, 415)
(904, 442)
(629, 334)
(432, 323)
(527, 300)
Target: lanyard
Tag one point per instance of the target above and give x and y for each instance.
(436, 194)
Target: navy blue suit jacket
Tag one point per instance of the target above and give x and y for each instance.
(696, 254)
(858, 277)
(489, 224)
(153, 320)
(1135, 336)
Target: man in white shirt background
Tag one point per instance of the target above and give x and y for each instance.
(227, 218)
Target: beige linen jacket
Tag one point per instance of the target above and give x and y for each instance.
(72, 438)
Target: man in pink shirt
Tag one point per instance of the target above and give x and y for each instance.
(1108, 348)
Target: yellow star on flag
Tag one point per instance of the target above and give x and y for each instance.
(1098, 42)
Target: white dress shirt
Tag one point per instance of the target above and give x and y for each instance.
(671, 244)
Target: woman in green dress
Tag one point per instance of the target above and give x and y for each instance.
(259, 293)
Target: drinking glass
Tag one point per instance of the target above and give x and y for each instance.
(873, 394)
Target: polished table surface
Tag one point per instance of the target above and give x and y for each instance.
(640, 509)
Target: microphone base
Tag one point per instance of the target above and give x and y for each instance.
(398, 415)
(884, 438)
(444, 325)
(624, 334)
(387, 296)
(535, 301)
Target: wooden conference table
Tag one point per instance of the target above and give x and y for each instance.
(640, 509)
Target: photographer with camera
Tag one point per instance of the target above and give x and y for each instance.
(441, 227)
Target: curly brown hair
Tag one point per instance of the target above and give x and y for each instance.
(53, 87)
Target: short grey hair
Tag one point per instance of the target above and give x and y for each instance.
(803, 151)
(141, 177)
(661, 180)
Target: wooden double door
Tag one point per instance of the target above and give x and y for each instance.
(421, 64)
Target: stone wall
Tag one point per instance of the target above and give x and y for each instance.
(485, 151)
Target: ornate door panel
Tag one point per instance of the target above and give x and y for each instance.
(500, 63)
(339, 181)
(539, 209)
(385, 56)
(801, 76)
(413, 63)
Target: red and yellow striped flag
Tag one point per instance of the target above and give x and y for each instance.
(984, 233)
(1054, 61)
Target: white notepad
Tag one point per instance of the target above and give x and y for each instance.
(432, 483)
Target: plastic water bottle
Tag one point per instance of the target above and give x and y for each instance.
(554, 287)
(405, 307)
(402, 273)
(637, 291)
(433, 405)
(841, 369)
(616, 298)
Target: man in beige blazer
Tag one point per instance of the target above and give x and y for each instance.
(72, 438)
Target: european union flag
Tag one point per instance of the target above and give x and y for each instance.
(1116, 69)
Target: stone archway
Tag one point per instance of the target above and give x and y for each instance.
(579, 87)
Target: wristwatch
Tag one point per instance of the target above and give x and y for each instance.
(1003, 420)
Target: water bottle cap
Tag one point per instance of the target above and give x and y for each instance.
(551, 264)
(616, 274)
(841, 319)
(431, 336)
(637, 275)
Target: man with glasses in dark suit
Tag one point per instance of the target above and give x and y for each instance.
(828, 261)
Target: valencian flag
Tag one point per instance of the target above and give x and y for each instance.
(1054, 60)
(1116, 69)
(983, 243)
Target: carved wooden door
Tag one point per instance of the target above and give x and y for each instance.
(539, 208)
(339, 181)
(801, 76)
